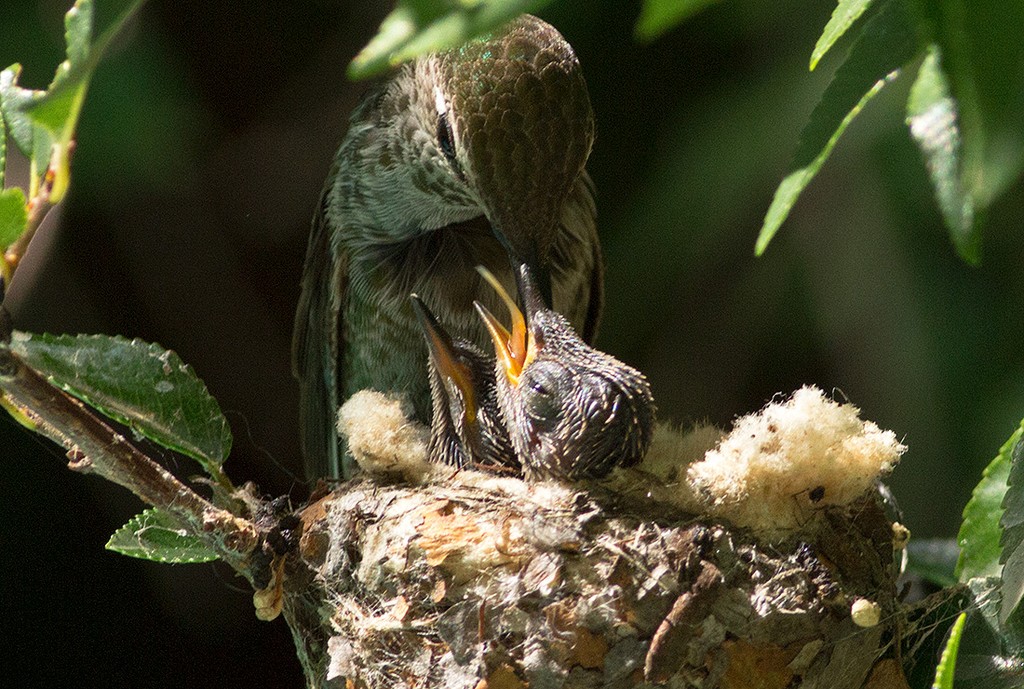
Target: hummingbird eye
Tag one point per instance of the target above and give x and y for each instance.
(446, 138)
(542, 410)
(445, 133)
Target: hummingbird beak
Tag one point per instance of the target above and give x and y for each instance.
(442, 355)
(540, 281)
(533, 295)
(524, 252)
(517, 349)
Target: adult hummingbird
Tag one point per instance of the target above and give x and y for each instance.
(474, 156)
(467, 429)
(571, 411)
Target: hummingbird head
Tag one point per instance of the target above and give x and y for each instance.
(513, 123)
(491, 136)
(466, 428)
(572, 412)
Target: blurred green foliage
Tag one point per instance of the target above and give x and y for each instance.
(42, 122)
(948, 93)
(884, 44)
(13, 215)
(659, 16)
(210, 128)
(416, 27)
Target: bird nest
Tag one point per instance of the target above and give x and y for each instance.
(432, 577)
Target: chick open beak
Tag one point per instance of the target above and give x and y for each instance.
(442, 355)
(517, 349)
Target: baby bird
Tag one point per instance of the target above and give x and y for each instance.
(571, 411)
(466, 429)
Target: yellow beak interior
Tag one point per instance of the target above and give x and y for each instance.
(516, 349)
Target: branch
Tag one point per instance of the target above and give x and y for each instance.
(95, 447)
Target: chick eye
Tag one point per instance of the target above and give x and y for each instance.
(542, 409)
(541, 403)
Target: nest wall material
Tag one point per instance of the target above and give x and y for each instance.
(418, 575)
(484, 582)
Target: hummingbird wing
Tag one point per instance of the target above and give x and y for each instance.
(315, 349)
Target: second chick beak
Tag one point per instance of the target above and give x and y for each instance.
(442, 354)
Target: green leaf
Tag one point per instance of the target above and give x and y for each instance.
(57, 108)
(1011, 522)
(983, 57)
(3, 149)
(1012, 519)
(13, 100)
(947, 664)
(934, 125)
(886, 42)
(154, 535)
(53, 109)
(843, 17)
(138, 384)
(13, 216)
(980, 531)
(418, 27)
(34, 141)
(40, 120)
(658, 16)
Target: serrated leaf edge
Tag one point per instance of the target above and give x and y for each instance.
(209, 462)
(1000, 463)
(136, 525)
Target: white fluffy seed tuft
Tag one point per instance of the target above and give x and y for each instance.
(382, 438)
(793, 457)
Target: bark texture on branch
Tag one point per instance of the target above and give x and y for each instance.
(472, 581)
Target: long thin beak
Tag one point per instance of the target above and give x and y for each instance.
(442, 354)
(533, 295)
(541, 281)
(502, 344)
(523, 251)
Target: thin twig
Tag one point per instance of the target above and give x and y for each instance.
(95, 447)
(38, 208)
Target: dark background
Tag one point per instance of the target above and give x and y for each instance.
(203, 144)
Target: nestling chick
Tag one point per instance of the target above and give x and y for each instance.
(466, 429)
(572, 412)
